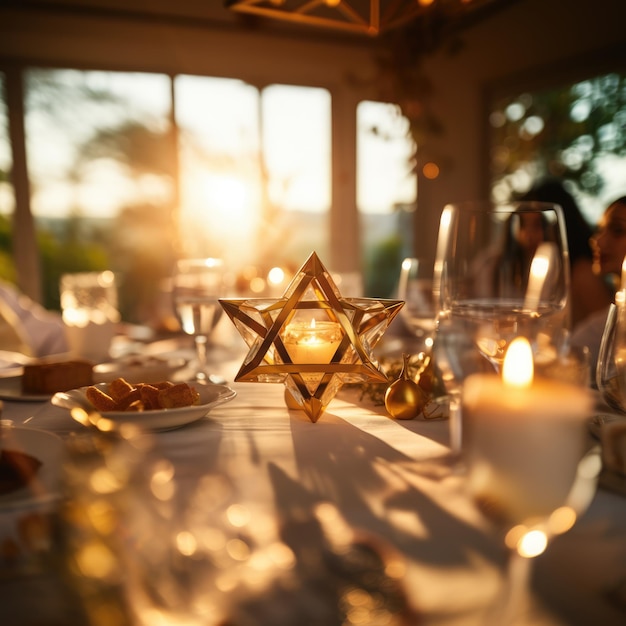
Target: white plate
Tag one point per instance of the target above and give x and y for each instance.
(48, 449)
(165, 419)
(138, 369)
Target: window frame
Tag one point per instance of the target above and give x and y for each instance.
(343, 223)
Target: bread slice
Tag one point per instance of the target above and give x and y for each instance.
(52, 376)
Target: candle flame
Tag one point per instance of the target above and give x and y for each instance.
(623, 285)
(517, 369)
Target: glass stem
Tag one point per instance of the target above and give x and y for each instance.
(201, 352)
(456, 426)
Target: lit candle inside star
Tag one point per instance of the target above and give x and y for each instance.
(312, 342)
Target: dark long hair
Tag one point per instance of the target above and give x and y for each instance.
(578, 229)
(515, 267)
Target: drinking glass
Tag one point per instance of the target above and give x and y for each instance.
(197, 285)
(90, 313)
(611, 365)
(419, 312)
(500, 271)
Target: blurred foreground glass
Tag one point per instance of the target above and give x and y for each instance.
(501, 271)
(120, 553)
(90, 313)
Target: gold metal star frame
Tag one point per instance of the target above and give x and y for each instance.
(311, 339)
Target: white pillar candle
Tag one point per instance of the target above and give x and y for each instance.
(525, 437)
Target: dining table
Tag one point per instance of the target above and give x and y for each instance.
(255, 515)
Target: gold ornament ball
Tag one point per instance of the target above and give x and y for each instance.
(404, 399)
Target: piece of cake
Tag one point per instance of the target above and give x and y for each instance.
(49, 377)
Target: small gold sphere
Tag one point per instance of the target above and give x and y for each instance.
(404, 398)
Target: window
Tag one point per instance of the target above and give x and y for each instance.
(255, 171)
(386, 193)
(576, 132)
(297, 162)
(129, 170)
(101, 175)
(220, 176)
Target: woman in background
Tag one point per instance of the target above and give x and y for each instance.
(609, 250)
(588, 291)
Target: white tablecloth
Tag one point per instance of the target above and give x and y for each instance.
(390, 481)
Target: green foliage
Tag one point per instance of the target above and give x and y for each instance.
(133, 144)
(102, 124)
(561, 132)
(143, 250)
(7, 267)
(67, 253)
(382, 267)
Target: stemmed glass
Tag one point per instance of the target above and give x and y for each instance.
(500, 271)
(197, 285)
(419, 313)
(610, 375)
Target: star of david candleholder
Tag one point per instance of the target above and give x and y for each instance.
(311, 339)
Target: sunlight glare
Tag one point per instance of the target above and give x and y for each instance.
(221, 204)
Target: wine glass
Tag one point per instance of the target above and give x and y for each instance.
(610, 375)
(505, 272)
(197, 285)
(529, 467)
(419, 313)
(500, 271)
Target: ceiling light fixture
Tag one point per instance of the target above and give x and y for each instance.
(370, 17)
